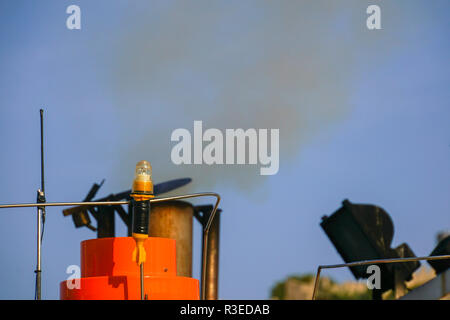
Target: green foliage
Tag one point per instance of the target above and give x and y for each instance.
(278, 291)
(328, 289)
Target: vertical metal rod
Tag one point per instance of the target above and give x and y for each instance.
(316, 283)
(40, 212)
(205, 246)
(212, 258)
(38, 263)
(204, 266)
(142, 280)
(42, 151)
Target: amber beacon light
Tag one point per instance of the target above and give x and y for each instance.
(141, 193)
(113, 268)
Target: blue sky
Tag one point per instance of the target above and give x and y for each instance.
(362, 115)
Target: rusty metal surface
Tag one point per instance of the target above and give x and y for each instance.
(212, 257)
(173, 220)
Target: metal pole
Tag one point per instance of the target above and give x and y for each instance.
(366, 262)
(40, 213)
(38, 262)
(62, 204)
(42, 150)
(212, 259)
(108, 203)
(142, 280)
(205, 249)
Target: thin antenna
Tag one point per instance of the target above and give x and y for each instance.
(42, 199)
(40, 215)
(42, 151)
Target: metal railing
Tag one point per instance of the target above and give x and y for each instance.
(153, 200)
(369, 262)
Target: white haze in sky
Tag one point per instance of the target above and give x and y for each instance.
(272, 65)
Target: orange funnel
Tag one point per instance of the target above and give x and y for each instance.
(109, 273)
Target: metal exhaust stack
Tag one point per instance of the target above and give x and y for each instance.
(174, 220)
